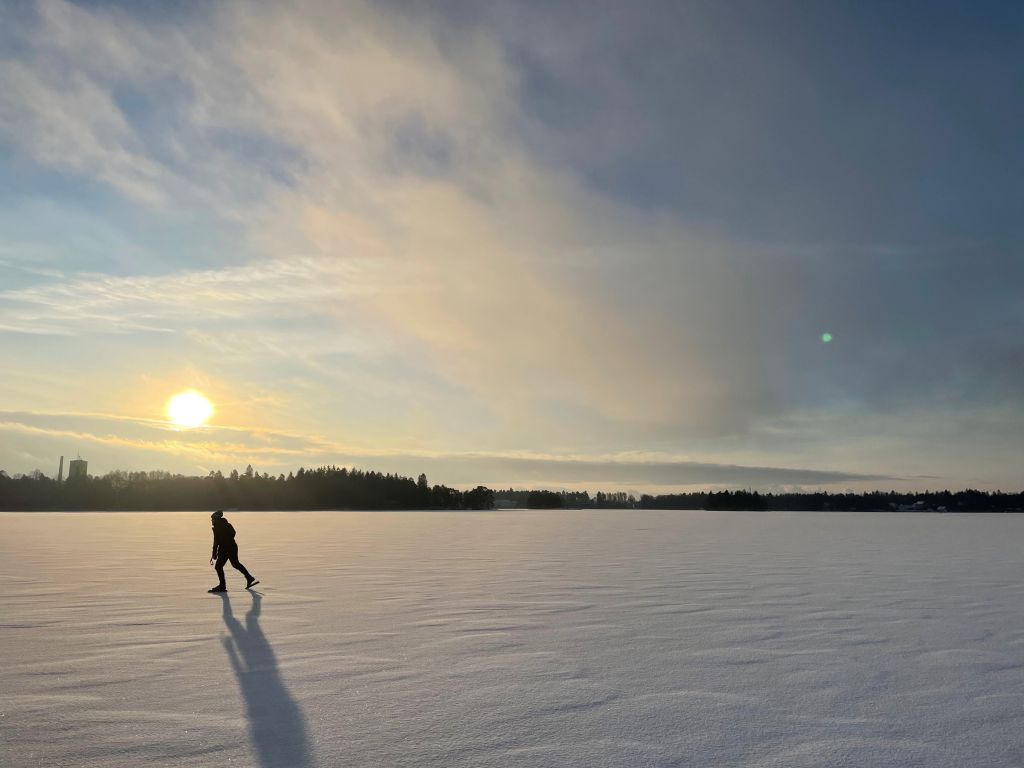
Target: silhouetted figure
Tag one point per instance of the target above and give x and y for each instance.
(225, 549)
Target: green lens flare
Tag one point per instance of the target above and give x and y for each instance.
(826, 337)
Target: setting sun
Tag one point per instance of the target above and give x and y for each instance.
(189, 409)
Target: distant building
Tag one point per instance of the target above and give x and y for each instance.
(60, 472)
(917, 506)
(77, 468)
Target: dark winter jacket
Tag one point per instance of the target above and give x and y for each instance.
(223, 536)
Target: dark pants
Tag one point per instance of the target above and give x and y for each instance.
(223, 556)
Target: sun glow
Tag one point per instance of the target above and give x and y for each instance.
(189, 409)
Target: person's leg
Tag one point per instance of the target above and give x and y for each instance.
(219, 567)
(238, 566)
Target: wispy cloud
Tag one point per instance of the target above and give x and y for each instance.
(90, 303)
(233, 446)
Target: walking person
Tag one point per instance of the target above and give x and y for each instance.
(225, 549)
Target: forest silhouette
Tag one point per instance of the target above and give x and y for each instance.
(334, 487)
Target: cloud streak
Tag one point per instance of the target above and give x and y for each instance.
(86, 304)
(284, 452)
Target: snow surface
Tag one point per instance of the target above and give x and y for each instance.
(514, 639)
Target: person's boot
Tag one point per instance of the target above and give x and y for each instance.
(250, 580)
(218, 588)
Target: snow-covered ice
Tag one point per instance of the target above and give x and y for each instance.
(592, 638)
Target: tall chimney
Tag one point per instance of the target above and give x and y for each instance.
(60, 472)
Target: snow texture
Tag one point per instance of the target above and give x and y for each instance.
(593, 638)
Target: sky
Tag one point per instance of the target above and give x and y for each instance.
(567, 245)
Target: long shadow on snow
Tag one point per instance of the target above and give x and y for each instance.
(276, 725)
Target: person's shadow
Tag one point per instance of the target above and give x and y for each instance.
(276, 725)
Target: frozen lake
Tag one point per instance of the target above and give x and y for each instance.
(591, 638)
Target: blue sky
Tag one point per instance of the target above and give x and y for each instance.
(517, 244)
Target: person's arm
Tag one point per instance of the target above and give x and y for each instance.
(213, 553)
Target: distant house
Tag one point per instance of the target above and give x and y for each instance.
(917, 506)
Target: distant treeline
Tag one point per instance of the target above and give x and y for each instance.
(564, 499)
(342, 488)
(937, 501)
(322, 488)
(873, 501)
